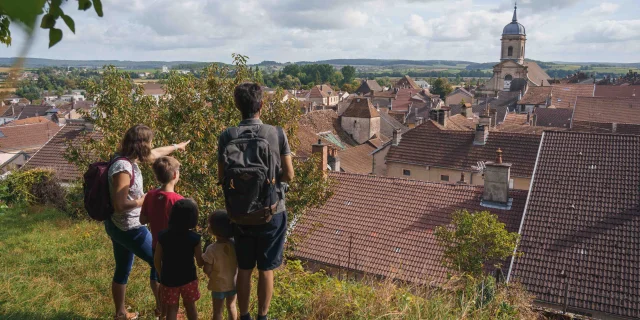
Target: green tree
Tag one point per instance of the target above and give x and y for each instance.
(196, 109)
(26, 13)
(473, 239)
(442, 87)
(349, 73)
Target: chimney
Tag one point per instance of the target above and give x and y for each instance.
(494, 117)
(321, 149)
(482, 133)
(467, 111)
(334, 160)
(496, 182)
(461, 178)
(397, 136)
(528, 118)
(535, 119)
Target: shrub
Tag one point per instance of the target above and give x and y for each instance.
(75, 202)
(29, 187)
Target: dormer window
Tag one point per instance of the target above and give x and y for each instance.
(510, 51)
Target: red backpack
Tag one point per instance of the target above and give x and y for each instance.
(97, 198)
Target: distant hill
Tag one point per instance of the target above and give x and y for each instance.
(39, 63)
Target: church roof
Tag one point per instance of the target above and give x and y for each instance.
(536, 74)
(514, 28)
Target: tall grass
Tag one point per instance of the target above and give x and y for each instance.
(52, 267)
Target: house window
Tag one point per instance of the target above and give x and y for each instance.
(444, 177)
(406, 172)
(510, 51)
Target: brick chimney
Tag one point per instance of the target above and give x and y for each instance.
(321, 149)
(482, 133)
(496, 183)
(461, 179)
(397, 136)
(494, 117)
(334, 160)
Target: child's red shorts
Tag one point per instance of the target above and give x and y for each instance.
(189, 293)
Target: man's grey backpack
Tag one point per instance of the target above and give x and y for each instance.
(249, 182)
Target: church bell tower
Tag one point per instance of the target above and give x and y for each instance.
(513, 39)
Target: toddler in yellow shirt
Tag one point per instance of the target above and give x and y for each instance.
(221, 266)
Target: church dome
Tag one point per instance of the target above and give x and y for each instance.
(514, 28)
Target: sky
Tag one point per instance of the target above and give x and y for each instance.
(312, 30)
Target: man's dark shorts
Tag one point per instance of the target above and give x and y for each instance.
(262, 245)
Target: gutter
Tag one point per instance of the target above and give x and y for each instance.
(526, 206)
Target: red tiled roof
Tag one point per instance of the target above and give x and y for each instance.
(607, 110)
(553, 117)
(536, 74)
(26, 137)
(51, 155)
(536, 95)
(580, 239)
(384, 226)
(617, 91)
(322, 91)
(427, 145)
(461, 90)
(361, 108)
(320, 121)
(357, 159)
(407, 82)
(39, 119)
(565, 95)
(367, 86)
(153, 88)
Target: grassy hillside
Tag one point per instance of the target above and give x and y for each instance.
(53, 267)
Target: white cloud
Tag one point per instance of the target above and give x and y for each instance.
(294, 30)
(609, 31)
(603, 9)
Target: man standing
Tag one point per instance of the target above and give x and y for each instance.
(253, 160)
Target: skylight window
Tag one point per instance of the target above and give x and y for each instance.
(2, 135)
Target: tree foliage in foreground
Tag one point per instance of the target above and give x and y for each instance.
(25, 13)
(442, 87)
(196, 109)
(474, 239)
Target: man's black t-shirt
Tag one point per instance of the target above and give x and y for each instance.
(178, 249)
(278, 142)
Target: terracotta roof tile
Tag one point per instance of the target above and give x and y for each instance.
(26, 111)
(26, 137)
(427, 145)
(407, 82)
(536, 95)
(580, 238)
(384, 226)
(357, 159)
(153, 88)
(565, 95)
(361, 108)
(39, 119)
(51, 155)
(617, 91)
(607, 110)
(322, 91)
(367, 86)
(536, 74)
(554, 117)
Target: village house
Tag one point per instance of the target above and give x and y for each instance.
(323, 94)
(361, 120)
(19, 112)
(617, 91)
(155, 90)
(429, 153)
(383, 226)
(406, 82)
(607, 115)
(459, 95)
(579, 244)
(368, 86)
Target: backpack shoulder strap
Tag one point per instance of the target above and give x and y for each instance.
(265, 130)
(234, 132)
